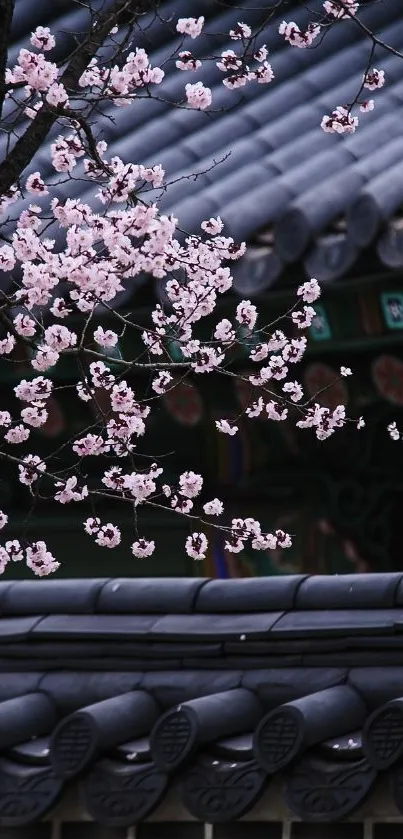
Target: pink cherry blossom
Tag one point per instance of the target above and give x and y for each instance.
(240, 32)
(16, 435)
(181, 505)
(69, 492)
(15, 550)
(367, 105)
(341, 121)
(303, 318)
(198, 96)
(34, 389)
(246, 314)
(190, 26)
(7, 258)
(36, 185)
(214, 507)
(374, 79)
(229, 61)
(45, 358)
(187, 61)
(341, 10)
(30, 469)
(24, 325)
(92, 525)
(40, 560)
(162, 381)
(296, 37)
(213, 226)
(7, 344)
(43, 39)
(225, 427)
(190, 484)
(295, 391)
(108, 536)
(196, 546)
(35, 414)
(91, 444)
(3, 519)
(276, 412)
(309, 291)
(224, 332)
(143, 548)
(57, 95)
(105, 337)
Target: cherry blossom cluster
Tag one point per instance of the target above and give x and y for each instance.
(294, 36)
(41, 76)
(36, 555)
(340, 9)
(99, 250)
(234, 65)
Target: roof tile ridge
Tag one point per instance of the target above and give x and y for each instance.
(297, 588)
(197, 592)
(98, 594)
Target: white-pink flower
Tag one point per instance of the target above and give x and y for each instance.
(198, 96)
(15, 550)
(24, 325)
(161, 381)
(295, 391)
(92, 525)
(393, 431)
(190, 26)
(105, 337)
(143, 548)
(45, 358)
(42, 39)
(35, 414)
(187, 61)
(3, 519)
(196, 546)
(293, 34)
(241, 31)
(246, 314)
(374, 79)
(40, 560)
(7, 344)
(57, 95)
(214, 507)
(225, 428)
(16, 435)
(30, 469)
(309, 291)
(36, 185)
(34, 390)
(367, 105)
(7, 258)
(69, 492)
(341, 121)
(108, 536)
(190, 484)
(213, 226)
(340, 10)
(58, 337)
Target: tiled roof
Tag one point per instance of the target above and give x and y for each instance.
(316, 197)
(131, 686)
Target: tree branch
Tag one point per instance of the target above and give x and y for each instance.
(27, 145)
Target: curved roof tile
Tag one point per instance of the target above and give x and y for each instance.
(121, 683)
